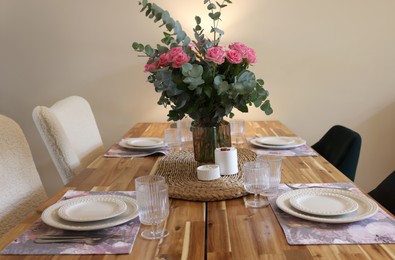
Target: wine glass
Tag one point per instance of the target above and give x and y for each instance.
(255, 174)
(153, 202)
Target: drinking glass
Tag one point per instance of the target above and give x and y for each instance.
(255, 174)
(237, 130)
(184, 129)
(172, 138)
(272, 181)
(153, 203)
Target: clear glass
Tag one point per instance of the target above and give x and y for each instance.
(153, 201)
(173, 139)
(273, 164)
(255, 174)
(185, 132)
(237, 131)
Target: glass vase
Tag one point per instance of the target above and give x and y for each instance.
(206, 138)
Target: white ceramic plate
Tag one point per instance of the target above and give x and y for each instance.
(323, 203)
(92, 208)
(366, 206)
(50, 217)
(275, 140)
(145, 142)
(142, 143)
(296, 143)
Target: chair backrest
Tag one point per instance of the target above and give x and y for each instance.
(70, 133)
(21, 190)
(341, 147)
(384, 193)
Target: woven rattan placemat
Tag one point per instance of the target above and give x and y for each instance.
(179, 169)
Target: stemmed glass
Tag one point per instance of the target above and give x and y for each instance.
(254, 182)
(153, 201)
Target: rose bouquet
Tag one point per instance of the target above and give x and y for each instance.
(201, 78)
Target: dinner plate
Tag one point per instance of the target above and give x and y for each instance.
(323, 203)
(276, 140)
(50, 217)
(366, 206)
(145, 142)
(297, 141)
(92, 208)
(142, 143)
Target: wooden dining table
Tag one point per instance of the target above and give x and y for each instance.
(223, 229)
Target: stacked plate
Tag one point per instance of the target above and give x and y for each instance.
(90, 212)
(327, 205)
(142, 143)
(278, 142)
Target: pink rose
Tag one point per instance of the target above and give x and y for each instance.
(175, 51)
(180, 59)
(250, 56)
(151, 66)
(234, 56)
(240, 47)
(216, 54)
(165, 59)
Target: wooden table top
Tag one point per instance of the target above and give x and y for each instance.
(210, 230)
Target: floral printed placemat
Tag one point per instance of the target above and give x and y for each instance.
(118, 240)
(378, 229)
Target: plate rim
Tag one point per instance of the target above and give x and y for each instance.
(370, 206)
(80, 200)
(353, 205)
(298, 142)
(50, 217)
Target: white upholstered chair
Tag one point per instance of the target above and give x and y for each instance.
(21, 190)
(70, 133)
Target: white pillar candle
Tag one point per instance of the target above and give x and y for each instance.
(226, 158)
(208, 172)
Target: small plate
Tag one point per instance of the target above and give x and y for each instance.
(276, 140)
(296, 143)
(92, 208)
(366, 206)
(50, 217)
(143, 143)
(324, 204)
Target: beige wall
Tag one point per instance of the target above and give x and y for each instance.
(324, 63)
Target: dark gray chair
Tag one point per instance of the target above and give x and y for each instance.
(384, 193)
(341, 147)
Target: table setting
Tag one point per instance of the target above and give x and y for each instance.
(280, 146)
(331, 213)
(83, 222)
(138, 147)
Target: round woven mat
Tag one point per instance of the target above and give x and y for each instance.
(179, 169)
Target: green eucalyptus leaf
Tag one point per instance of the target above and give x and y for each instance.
(211, 6)
(215, 16)
(266, 107)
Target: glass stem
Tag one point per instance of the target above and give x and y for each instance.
(154, 229)
(256, 198)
